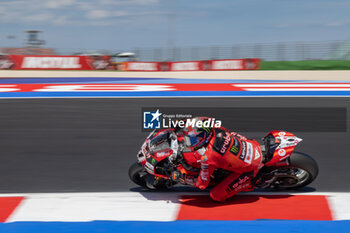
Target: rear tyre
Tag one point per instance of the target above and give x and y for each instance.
(301, 171)
(306, 163)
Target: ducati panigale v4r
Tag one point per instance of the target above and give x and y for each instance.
(283, 168)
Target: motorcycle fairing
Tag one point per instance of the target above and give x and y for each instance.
(284, 145)
(155, 149)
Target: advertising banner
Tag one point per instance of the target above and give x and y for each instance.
(235, 64)
(227, 64)
(142, 66)
(185, 66)
(53, 62)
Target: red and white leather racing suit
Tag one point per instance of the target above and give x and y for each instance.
(233, 152)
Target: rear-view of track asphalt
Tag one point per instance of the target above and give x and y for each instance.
(87, 145)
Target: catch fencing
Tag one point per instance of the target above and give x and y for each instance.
(283, 51)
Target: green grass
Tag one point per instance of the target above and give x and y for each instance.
(306, 65)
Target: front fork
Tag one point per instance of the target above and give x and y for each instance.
(156, 182)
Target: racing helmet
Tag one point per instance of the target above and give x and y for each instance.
(196, 137)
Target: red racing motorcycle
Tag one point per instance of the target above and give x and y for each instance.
(283, 168)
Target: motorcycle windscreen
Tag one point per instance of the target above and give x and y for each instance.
(159, 143)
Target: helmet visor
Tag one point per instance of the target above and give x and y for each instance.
(192, 140)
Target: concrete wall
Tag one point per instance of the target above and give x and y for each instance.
(331, 75)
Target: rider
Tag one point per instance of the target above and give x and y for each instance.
(220, 148)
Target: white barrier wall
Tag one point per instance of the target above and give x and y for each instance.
(330, 75)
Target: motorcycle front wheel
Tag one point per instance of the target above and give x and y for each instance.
(139, 176)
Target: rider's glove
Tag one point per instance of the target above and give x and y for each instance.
(183, 178)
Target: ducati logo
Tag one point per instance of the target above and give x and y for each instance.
(257, 154)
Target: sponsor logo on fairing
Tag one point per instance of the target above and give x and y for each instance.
(249, 156)
(153, 161)
(236, 185)
(281, 134)
(281, 152)
(226, 143)
(235, 147)
(149, 168)
(257, 154)
(244, 150)
(204, 171)
(163, 154)
(222, 141)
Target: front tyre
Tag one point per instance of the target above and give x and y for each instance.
(137, 174)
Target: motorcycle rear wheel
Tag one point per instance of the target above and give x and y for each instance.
(302, 170)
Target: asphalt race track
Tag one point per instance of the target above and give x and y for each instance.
(86, 145)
